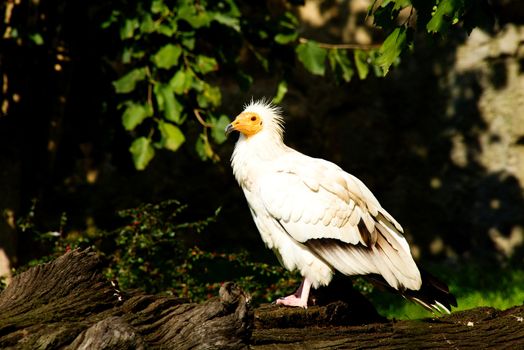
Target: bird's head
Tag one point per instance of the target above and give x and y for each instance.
(258, 117)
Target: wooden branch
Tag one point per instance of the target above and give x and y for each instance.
(364, 47)
(67, 303)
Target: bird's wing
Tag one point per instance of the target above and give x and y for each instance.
(336, 216)
(314, 198)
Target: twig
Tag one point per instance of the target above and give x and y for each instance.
(201, 120)
(343, 46)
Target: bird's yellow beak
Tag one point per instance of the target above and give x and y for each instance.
(247, 123)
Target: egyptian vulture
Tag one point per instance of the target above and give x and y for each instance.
(319, 219)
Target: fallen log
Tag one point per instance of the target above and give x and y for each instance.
(68, 304)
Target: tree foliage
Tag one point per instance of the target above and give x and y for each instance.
(173, 57)
(175, 54)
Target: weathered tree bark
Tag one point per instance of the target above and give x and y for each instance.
(68, 304)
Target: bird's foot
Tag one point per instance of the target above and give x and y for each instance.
(292, 300)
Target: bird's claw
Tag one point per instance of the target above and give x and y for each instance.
(292, 300)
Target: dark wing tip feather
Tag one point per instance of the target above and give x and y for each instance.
(433, 295)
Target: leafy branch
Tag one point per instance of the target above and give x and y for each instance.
(174, 52)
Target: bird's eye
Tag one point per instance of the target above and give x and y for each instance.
(253, 118)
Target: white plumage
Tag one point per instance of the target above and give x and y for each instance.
(316, 217)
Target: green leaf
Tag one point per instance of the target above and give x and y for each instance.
(167, 56)
(158, 6)
(219, 126)
(181, 81)
(172, 137)
(113, 18)
(361, 63)
(165, 30)
(226, 20)
(281, 92)
(262, 60)
(187, 11)
(135, 114)
(128, 82)
(312, 56)
(283, 39)
(168, 103)
(392, 48)
(147, 25)
(126, 54)
(37, 38)
(210, 95)
(289, 21)
(205, 64)
(341, 64)
(204, 149)
(188, 39)
(142, 152)
(233, 10)
(446, 14)
(127, 30)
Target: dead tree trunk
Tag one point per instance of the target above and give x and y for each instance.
(68, 304)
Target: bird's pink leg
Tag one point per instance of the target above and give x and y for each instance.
(299, 298)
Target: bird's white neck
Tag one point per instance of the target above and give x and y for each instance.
(253, 154)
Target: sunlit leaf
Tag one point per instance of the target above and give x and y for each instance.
(226, 20)
(188, 39)
(345, 66)
(312, 56)
(196, 19)
(172, 137)
(210, 96)
(361, 63)
(392, 48)
(135, 114)
(167, 56)
(158, 7)
(341, 64)
(147, 25)
(167, 29)
(168, 103)
(281, 92)
(445, 15)
(205, 64)
(283, 39)
(233, 8)
(204, 150)
(218, 130)
(128, 82)
(127, 30)
(181, 81)
(142, 152)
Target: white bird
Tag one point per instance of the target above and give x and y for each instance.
(319, 219)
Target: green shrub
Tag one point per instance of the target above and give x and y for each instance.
(154, 250)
